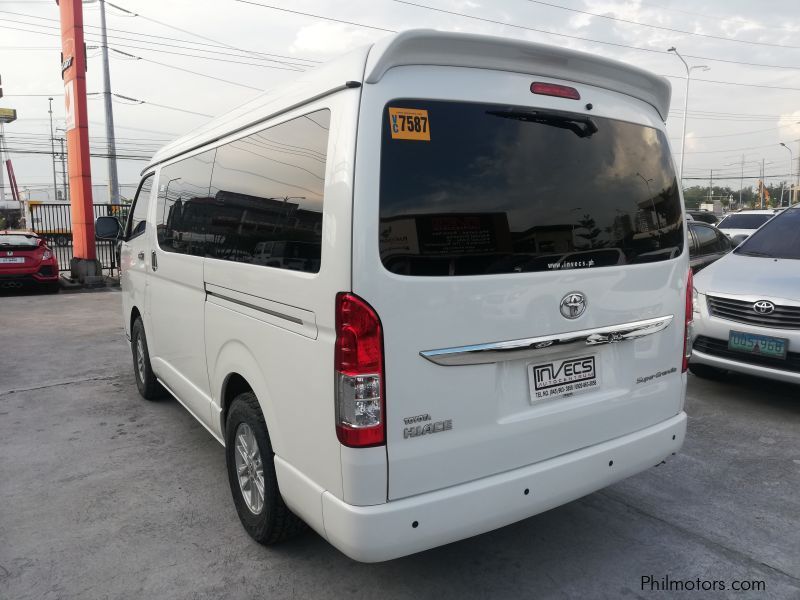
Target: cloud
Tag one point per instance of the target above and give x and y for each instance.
(323, 38)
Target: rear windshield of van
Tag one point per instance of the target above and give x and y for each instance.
(478, 189)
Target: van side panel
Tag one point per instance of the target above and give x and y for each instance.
(284, 318)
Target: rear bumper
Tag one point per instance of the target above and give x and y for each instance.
(19, 280)
(703, 358)
(387, 531)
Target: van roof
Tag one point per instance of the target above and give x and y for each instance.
(368, 64)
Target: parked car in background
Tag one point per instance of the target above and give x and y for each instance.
(26, 261)
(747, 306)
(738, 226)
(706, 245)
(703, 215)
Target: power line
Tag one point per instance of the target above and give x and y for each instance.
(192, 33)
(90, 38)
(93, 155)
(297, 12)
(742, 133)
(545, 31)
(267, 56)
(137, 102)
(660, 27)
(754, 85)
(155, 62)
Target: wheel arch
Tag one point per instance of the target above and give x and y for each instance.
(135, 314)
(235, 371)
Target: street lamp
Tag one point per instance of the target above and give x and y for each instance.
(686, 101)
(791, 166)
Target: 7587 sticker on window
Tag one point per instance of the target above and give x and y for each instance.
(409, 124)
(562, 377)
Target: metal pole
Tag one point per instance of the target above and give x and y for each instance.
(2, 165)
(741, 183)
(711, 188)
(113, 181)
(791, 166)
(685, 103)
(53, 151)
(763, 186)
(64, 171)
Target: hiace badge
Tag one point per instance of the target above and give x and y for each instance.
(562, 377)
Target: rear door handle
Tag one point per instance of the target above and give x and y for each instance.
(153, 260)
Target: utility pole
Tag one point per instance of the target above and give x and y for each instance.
(53, 150)
(741, 183)
(113, 181)
(763, 187)
(711, 187)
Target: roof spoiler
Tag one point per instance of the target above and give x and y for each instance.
(429, 47)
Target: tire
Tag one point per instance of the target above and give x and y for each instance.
(707, 372)
(271, 521)
(146, 381)
(52, 288)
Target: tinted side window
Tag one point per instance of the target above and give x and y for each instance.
(706, 239)
(182, 212)
(267, 192)
(137, 222)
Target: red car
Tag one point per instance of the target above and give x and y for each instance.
(25, 260)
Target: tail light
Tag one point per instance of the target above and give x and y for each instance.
(358, 365)
(553, 89)
(687, 327)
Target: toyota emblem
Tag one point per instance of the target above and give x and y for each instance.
(764, 307)
(573, 305)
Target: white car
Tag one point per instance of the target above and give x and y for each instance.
(747, 306)
(479, 307)
(739, 225)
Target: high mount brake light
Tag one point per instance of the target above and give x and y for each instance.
(687, 327)
(358, 366)
(552, 89)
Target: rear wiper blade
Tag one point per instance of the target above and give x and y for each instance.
(583, 127)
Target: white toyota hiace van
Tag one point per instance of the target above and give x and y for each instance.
(429, 289)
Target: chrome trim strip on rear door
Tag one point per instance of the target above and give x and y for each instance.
(479, 354)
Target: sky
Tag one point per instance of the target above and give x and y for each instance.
(176, 64)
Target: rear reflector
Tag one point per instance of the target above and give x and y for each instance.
(551, 89)
(687, 328)
(358, 366)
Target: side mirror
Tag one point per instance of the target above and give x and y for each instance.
(107, 228)
(738, 239)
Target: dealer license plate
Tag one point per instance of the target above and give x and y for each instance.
(762, 345)
(562, 377)
(12, 260)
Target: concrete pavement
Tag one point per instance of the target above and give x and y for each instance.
(105, 495)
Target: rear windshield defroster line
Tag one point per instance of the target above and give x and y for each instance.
(489, 189)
